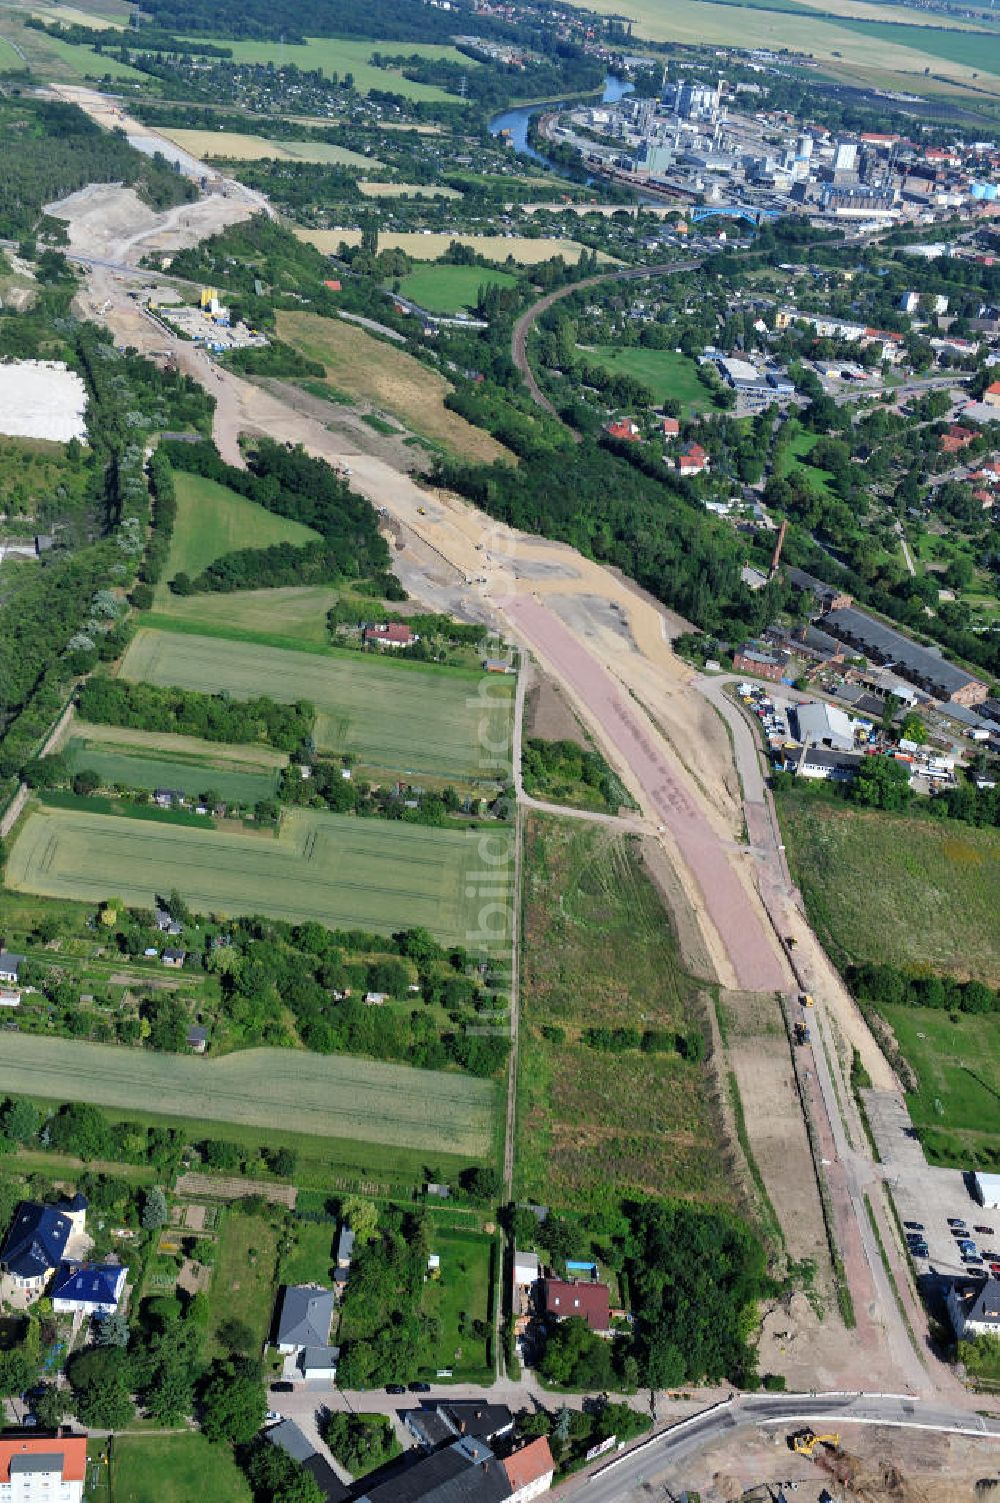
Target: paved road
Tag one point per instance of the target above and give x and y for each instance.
(617, 1478)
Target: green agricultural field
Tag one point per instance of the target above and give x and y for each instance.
(175, 1469)
(451, 289)
(956, 1106)
(410, 719)
(211, 521)
(136, 768)
(599, 951)
(907, 891)
(244, 1278)
(335, 869)
(327, 1096)
(666, 374)
(454, 1300)
(296, 612)
(339, 55)
(974, 49)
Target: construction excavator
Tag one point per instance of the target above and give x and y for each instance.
(804, 1442)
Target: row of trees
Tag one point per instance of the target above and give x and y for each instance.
(213, 717)
(888, 985)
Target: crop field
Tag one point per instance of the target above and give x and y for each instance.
(451, 289)
(138, 768)
(973, 49)
(523, 249)
(667, 374)
(797, 27)
(297, 612)
(908, 891)
(175, 1469)
(370, 370)
(340, 55)
(599, 951)
(407, 190)
(324, 1095)
(347, 873)
(236, 147)
(397, 717)
(957, 1062)
(213, 520)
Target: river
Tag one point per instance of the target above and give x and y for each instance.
(516, 121)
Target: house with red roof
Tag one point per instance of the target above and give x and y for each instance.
(389, 634)
(529, 1470)
(693, 460)
(44, 1467)
(564, 1298)
(992, 394)
(956, 439)
(671, 427)
(625, 429)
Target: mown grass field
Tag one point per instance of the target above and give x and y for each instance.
(667, 374)
(523, 249)
(235, 146)
(310, 1259)
(296, 612)
(453, 1301)
(175, 1469)
(244, 1277)
(908, 891)
(326, 1096)
(347, 873)
(342, 55)
(408, 719)
(451, 289)
(370, 370)
(957, 1062)
(599, 952)
(407, 190)
(136, 768)
(213, 520)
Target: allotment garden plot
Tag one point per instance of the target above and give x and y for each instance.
(332, 1096)
(338, 870)
(408, 719)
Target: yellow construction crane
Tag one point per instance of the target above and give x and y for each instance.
(804, 1442)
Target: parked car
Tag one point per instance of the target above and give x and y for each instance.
(987, 1231)
(282, 1387)
(914, 1226)
(272, 1417)
(995, 1268)
(395, 1388)
(420, 1387)
(955, 1221)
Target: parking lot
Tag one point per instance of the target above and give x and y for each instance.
(928, 1195)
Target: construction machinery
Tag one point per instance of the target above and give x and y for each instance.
(804, 1442)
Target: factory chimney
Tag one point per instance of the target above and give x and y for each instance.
(776, 556)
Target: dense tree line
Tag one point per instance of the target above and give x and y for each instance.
(328, 788)
(887, 985)
(612, 511)
(381, 1307)
(60, 149)
(213, 717)
(291, 484)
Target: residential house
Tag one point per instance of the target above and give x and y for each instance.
(389, 634)
(530, 1470)
(10, 996)
(174, 958)
(318, 1364)
(693, 460)
(757, 663)
(527, 1269)
(438, 1424)
(168, 797)
(10, 967)
(88, 1288)
(671, 427)
(464, 1472)
(922, 666)
(45, 1467)
(975, 1309)
(563, 1298)
(304, 1319)
(197, 1038)
(35, 1245)
(166, 923)
(443, 1192)
(288, 1437)
(625, 430)
(991, 396)
(955, 439)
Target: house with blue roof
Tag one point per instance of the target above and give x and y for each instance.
(88, 1288)
(36, 1243)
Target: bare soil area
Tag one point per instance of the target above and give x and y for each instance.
(112, 223)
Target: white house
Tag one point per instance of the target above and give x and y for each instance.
(88, 1288)
(10, 967)
(42, 1468)
(527, 1269)
(987, 1187)
(975, 1309)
